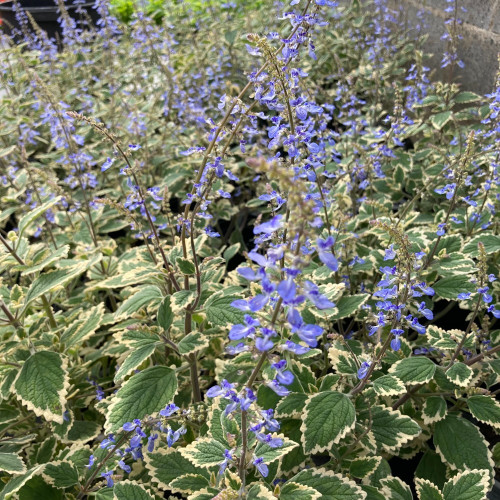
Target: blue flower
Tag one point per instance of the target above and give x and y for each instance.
(277, 388)
(107, 164)
(109, 480)
(173, 436)
(223, 465)
(134, 147)
(169, 410)
(269, 227)
(363, 370)
(124, 467)
(427, 313)
(261, 466)
(325, 255)
(91, 462)
(463, 295)
(390, 253)
(240, 331)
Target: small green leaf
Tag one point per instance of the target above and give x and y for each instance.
(272, 454)
(449, 288)
(485, 409)
(291, 405)
(186, 266)
(434, 409)
(204, 452)
(130, 490)
(439, 120)
(431, 468)
(42, 385)
(135, 358)
(395, 489)
(148, 296)
(192, 343)
(220, 312)
(61, 474)
(468, 485)
(427, 490)
(364, 466)
(143, 394)
(347, 305)
(295, 491)
(34, 214)
(231, 251)
(83, 327)
(17, 482)
(165, 314)
(460, 374)
(490, 241)
(328, 417)
(466, 97)
(11, 463)
(389, 385)
(414, 370)
(189, 483)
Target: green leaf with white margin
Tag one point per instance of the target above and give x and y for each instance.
(189, 483)
(490, 241)
(427, 490)
(439, 120)
(259, 492)
(292, 405)
(219, 310)
(347, 305)
(42, 385)
(143, 394)
(135, 359)
(461, 445)
(329, 485)
(395, 489)
(449, 288)
(83, 327)
(364, 466)
(389, 385)
(168, 464)
(372, 492)
(37, 212)
(55, 280)
(186, 266)
(485, 409)
(165, 314)
(42, 260)
(272, 454)
(460, 374)
(130, 490)
(17, 482)
(390, 428)
(414, 370)
(328, 417)
(467, 485)
(434, 409)
(192, 343)
(147, 296)
(466, 97)
(295, 491)
(341, 359)
(204, 452)
(11, 463)
(60, 474)
(231, 251)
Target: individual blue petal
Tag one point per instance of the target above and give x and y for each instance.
(286, 290)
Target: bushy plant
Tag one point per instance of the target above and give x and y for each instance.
(253, 260)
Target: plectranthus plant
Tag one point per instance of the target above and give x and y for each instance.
(248, 250)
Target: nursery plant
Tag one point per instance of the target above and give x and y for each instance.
(246, 251)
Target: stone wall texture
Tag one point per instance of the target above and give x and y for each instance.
(479, 48)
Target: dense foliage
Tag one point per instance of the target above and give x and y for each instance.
(248, 251)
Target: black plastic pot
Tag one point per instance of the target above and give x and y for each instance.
(45, 14)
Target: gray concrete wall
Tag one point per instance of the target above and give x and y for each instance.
(479, 47)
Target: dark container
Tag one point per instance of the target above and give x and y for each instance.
(45, 14)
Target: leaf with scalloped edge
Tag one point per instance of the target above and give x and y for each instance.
(328, 417)
(395, 489)
(427, 490)
(349, 304)
(390, 429)
(486, 409)
(389, 385)
(364, 466)
(189, 483)
(329, 485)
(42, 385)
(291, 405)
(130, 490)
(259, 492)
(467, 485)
(269, 454)
(204, 452)
(83, 327)
(146, 296)
(194, 342)
(490, 241)
(434, 409)
(142, 394)
(12, 463)
(294, 491)
(17, 482)
(461, 445)
(135, 359)
(33, 214)
(60, 474)
(414, 370)
(460, 374)
(342, 360)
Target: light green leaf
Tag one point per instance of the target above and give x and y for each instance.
(130, 490)
(414, 370)
(192, 343)
(485, 409)
(347, 305)
(61, 474)
(460, 374)
(490, 241)
(328, 417)
(165, 314)
(389, 385)
(364, 466)
(331, 486)
(42, 385)
(461, 445)
(204, 452)
(449, 288)
(34, 214)
(439, 120)
(148, 296)
(186, 266)
(11, 463)
(427, 490)
(189, 483)
(395, 489)
(83, 327)
(135, 358)
(466, 97)
(295, 491)
(49, 257)
(434, 409)
(468, 485)
(143, 394)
